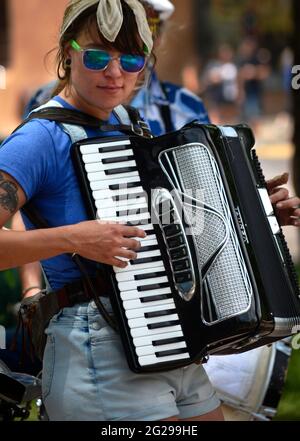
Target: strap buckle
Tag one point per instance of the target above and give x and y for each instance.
(137, 130)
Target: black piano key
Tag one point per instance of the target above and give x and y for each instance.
(181, 265)
(156, 298)
(170, 352)
(163, 324)
(128, 197)
(150, 274)
(183, 277)
(124, 185)
(118, 171)
(145, 260)
(116, 148)
(159, 313)
(154, 286)
(114, 160)
(176, 241)
(178, 253)
(132, 212)
(168, 341)
(171, 230)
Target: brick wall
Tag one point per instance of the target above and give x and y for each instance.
(33, 32)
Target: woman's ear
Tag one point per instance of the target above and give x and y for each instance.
(68, 51)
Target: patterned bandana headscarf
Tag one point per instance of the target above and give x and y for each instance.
(110, 18)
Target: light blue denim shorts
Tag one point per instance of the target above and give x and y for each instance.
(86, 376)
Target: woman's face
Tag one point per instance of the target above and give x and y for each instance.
(98, 92)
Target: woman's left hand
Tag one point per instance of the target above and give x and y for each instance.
(287, 208)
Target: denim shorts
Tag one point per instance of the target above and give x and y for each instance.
(86, 376)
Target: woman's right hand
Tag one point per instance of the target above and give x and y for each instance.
(106, 242)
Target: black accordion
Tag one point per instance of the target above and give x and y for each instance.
(214, 274)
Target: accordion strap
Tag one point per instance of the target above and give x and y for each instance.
(128, 117)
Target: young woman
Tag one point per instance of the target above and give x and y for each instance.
(103, 48)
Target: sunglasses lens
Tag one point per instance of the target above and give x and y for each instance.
(95, 59)
(132, 63)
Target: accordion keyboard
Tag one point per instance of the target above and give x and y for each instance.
(118, 195)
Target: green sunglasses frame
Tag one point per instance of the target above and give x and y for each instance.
(78, 48)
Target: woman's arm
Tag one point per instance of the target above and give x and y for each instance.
(30, 274)
(99, 241)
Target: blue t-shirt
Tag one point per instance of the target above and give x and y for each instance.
(38, 157)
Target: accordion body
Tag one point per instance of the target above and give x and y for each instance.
(214, 274)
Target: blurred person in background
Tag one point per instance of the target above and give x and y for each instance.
(254, 68)
(220, 86)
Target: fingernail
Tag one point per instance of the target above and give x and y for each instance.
(279, 205)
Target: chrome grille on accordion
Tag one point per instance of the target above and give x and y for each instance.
(227, 276)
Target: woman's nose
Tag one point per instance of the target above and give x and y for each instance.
(114, 69)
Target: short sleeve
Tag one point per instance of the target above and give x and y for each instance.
(28, 155)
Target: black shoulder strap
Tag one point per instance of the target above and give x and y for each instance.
(67, 116)
(165, 111)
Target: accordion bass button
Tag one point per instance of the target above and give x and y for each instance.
(178, 253)
(181, 265)
(171, 230)
(183, 277)
(175, 241)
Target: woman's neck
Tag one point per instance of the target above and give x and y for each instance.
(75, 100)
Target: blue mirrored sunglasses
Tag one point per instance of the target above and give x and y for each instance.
(98, 59)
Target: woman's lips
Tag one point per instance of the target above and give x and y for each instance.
(110, 88)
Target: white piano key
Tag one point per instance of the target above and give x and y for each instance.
(130, 267)
(140, 312)
(116, 154)
(142, 321)
(130, 275)
(134, 294)
(147, 254)
(91, 158)
(112, 211)
(147, 227)
(136, 304)
(152, 350)
(127, 286)
(94, 148)
(151, 359)
(89, 149)
(147, 242)
(104, 185)
(129, 204)
(134, 218)
(148, 340)
(145, 331)
(121, 177)
(103, 194)
(98, 166)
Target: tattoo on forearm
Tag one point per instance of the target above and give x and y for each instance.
(8, 194)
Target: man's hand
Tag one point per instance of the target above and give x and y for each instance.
(287, 208)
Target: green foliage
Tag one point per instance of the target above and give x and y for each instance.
(10, 293)
(289, 406)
